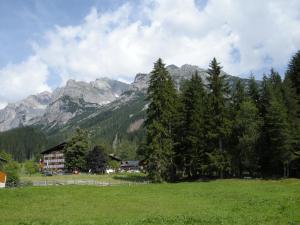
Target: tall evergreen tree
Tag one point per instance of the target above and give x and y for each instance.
(159, 124)
(293, 72)
(253, 90)
(276, 84)
(238, 95)
(293, 109)
(278, 137)
(247, 130)
(96, 160)
(292, 101)
(219, 122)
(75, 151)
(192, 146)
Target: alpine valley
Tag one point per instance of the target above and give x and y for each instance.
(113, 112)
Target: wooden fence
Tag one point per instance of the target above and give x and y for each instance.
(83, 182)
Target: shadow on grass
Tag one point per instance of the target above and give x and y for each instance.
(131, 177)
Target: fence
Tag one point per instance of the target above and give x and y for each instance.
(83, 182)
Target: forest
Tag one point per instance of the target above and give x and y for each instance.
(207, 129)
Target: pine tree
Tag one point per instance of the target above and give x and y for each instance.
(292, 102)
(278, 137)
(238, 96)
(96, 160)
(275, 142)
(276, 84)
(293, 109)
(253, 90)
(159, 124)
(293, 72)
(75, 151)
(247, 130)
(218, 121)
(192, 146)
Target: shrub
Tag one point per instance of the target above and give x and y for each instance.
(12, 171)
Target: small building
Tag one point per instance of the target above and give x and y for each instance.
(2, 179)
(131, 165)
(53, 158)
(3, 175)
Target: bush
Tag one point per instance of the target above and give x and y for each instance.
(113, 165)
(30, 167)
(12, 171)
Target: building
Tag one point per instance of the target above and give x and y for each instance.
(2, 179)
(2, 175)
(53, 158)
(131, 165)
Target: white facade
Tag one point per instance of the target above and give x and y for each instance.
(54, 161)
(2, 184)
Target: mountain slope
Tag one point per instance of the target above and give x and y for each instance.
(61, 105)
(25, 112)
(112, 112)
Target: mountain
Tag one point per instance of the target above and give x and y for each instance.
(60, 106)
(113, 112)
(25, 112)
(78, 96)
(122, 119)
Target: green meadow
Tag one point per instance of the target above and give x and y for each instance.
(226, 202)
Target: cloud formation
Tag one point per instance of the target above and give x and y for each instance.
(20, 80)
(244, 35)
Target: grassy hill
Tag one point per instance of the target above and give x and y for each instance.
(228, 202)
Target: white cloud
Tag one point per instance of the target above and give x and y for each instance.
(114, 45)
(241, 34)
(20, 80)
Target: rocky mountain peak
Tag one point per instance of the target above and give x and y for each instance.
(24, 112)
(140, 82)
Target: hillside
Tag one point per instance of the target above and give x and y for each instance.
(113, 112)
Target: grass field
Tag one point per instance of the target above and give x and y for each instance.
(121, 178)
(226, 202)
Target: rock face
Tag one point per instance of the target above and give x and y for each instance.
(78, 96)
(178, 74)
(140, 82)
(84, 100)
(101, 91)
(62, 105)
(186, 72)
(25, 112)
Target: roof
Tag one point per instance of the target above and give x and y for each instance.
(55, 148)
(130, 163)
(2, 160)
(114, 157)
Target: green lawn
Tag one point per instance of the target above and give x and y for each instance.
(226, 202)
(121, 178)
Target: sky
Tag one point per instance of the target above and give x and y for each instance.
(43, 43)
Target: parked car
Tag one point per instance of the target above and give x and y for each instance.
(47, 174)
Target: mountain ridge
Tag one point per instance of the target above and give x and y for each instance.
(113, 115)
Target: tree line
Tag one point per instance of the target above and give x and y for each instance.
(209, 129)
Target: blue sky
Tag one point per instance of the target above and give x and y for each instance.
(23, 21)
(48, 42)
